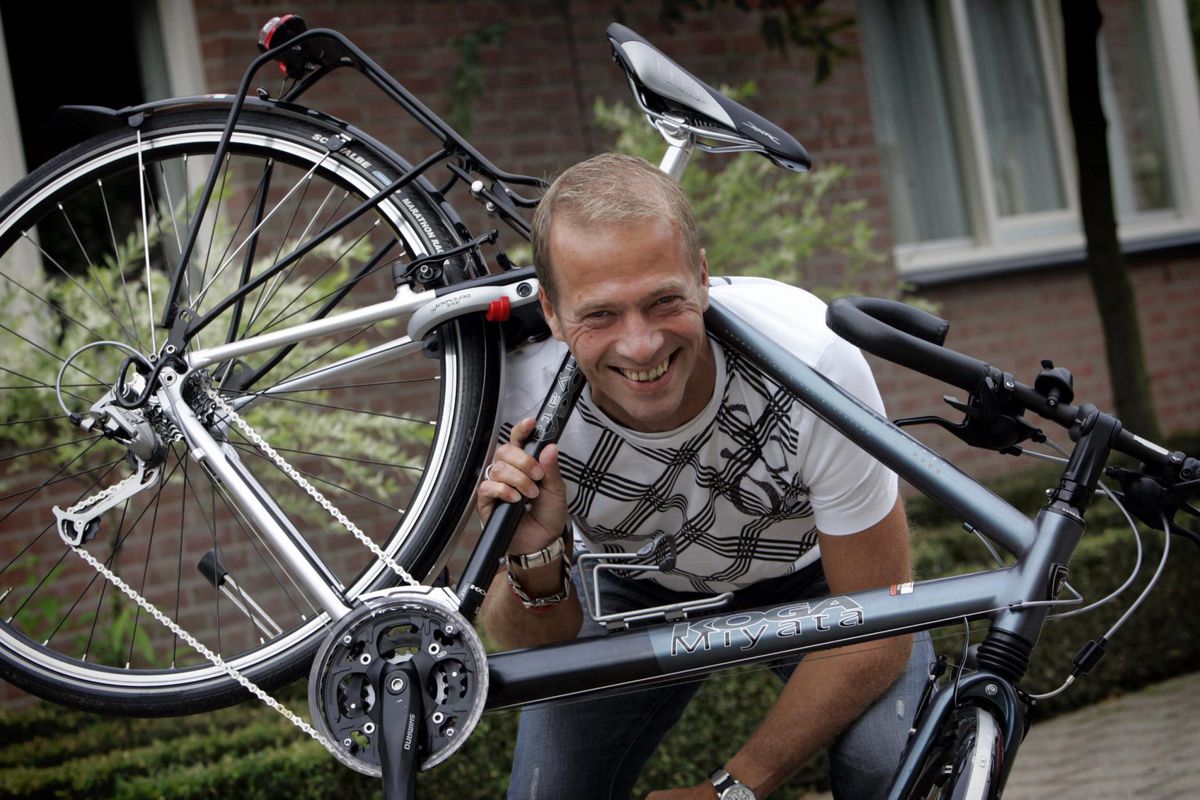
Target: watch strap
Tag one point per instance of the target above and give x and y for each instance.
(539, 558)
(722, 781)
(541, 603)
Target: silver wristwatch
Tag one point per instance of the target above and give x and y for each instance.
(539, 558)
(729, 787)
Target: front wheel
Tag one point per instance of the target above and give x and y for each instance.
(393, 434)
(965, 763)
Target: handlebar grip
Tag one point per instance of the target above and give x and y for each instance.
(905, 335)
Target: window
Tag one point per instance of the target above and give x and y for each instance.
(969, 105)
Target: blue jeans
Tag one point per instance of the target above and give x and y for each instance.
(594, 749)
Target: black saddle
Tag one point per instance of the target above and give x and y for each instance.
(665, 88)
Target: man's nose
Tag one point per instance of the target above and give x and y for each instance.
(640, 340)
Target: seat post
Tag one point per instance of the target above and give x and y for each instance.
(680, 144)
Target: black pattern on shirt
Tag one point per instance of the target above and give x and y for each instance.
(636, 485)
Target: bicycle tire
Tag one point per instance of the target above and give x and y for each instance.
(85, 244)
(965, 763)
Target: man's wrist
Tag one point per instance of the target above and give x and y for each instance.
(543, 587)
(538, 558)
(729, 787)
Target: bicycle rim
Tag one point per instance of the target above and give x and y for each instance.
(86, 246)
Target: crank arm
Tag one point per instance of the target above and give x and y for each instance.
(80, 522)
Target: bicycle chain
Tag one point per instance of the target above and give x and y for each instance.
(213, 658)
(311, 490)
(100, 496)
(230, 670)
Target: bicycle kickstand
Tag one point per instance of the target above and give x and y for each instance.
(401, 728)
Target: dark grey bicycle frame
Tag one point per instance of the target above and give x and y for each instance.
(1015, 597)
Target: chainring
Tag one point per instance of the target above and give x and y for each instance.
(408, 623)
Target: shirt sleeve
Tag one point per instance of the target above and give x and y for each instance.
(849, 489)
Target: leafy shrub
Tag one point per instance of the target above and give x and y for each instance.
(757, 219)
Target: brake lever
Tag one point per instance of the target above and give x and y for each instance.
(1150, 501)
(986, 428)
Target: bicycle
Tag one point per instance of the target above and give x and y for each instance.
(283, 308)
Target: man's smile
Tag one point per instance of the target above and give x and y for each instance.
(645, 376)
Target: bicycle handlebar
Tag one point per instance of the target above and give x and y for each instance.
(905, 335)
(913, 338)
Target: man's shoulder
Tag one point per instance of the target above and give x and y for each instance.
(784, 313)
(528, 373)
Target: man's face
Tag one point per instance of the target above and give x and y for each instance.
(630, 306)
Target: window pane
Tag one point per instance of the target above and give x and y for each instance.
(1136, 143)
(920, 156)
(1012, 90)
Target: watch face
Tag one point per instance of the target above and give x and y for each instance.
(738, 792)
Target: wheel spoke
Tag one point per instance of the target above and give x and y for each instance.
(166, 190)
(57, 311)
(279, 318)
(249, 532)
(268, 293)
(49, 481)
(117, 264)
(107, 307)
(50, 448)
(55, 479)
(331, 407)
(312, 476)
(226, 262)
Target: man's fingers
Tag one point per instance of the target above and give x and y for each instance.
(552, 478)
(516, 458)
(519, 481)
(520, 432)
(514, 475)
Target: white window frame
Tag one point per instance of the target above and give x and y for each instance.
(1052, 235)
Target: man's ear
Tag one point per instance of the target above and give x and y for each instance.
(548, 312)
(704, 278)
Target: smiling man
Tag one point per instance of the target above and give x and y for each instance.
(678, 443)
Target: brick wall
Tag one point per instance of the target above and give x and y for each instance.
(535, 117)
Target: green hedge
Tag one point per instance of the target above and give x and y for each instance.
(249, 752)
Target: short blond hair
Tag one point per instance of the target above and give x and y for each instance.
(607, 189)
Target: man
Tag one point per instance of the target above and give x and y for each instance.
(677, 438)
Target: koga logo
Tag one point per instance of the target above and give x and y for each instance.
(745, 630)
(346, 151)
(430, 234)
(757, 129)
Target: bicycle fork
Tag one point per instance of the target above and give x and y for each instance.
(984, 689)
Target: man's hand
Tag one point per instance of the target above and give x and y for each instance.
(701, 791)
(515, 475)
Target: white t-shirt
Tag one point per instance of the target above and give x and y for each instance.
(744, 486)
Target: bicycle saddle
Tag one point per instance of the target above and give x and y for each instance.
(665, 87)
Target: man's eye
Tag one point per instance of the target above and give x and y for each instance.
(666, 301)
(598, 316)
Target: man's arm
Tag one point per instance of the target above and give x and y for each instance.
(831, 689)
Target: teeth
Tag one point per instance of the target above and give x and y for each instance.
(651, 375)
